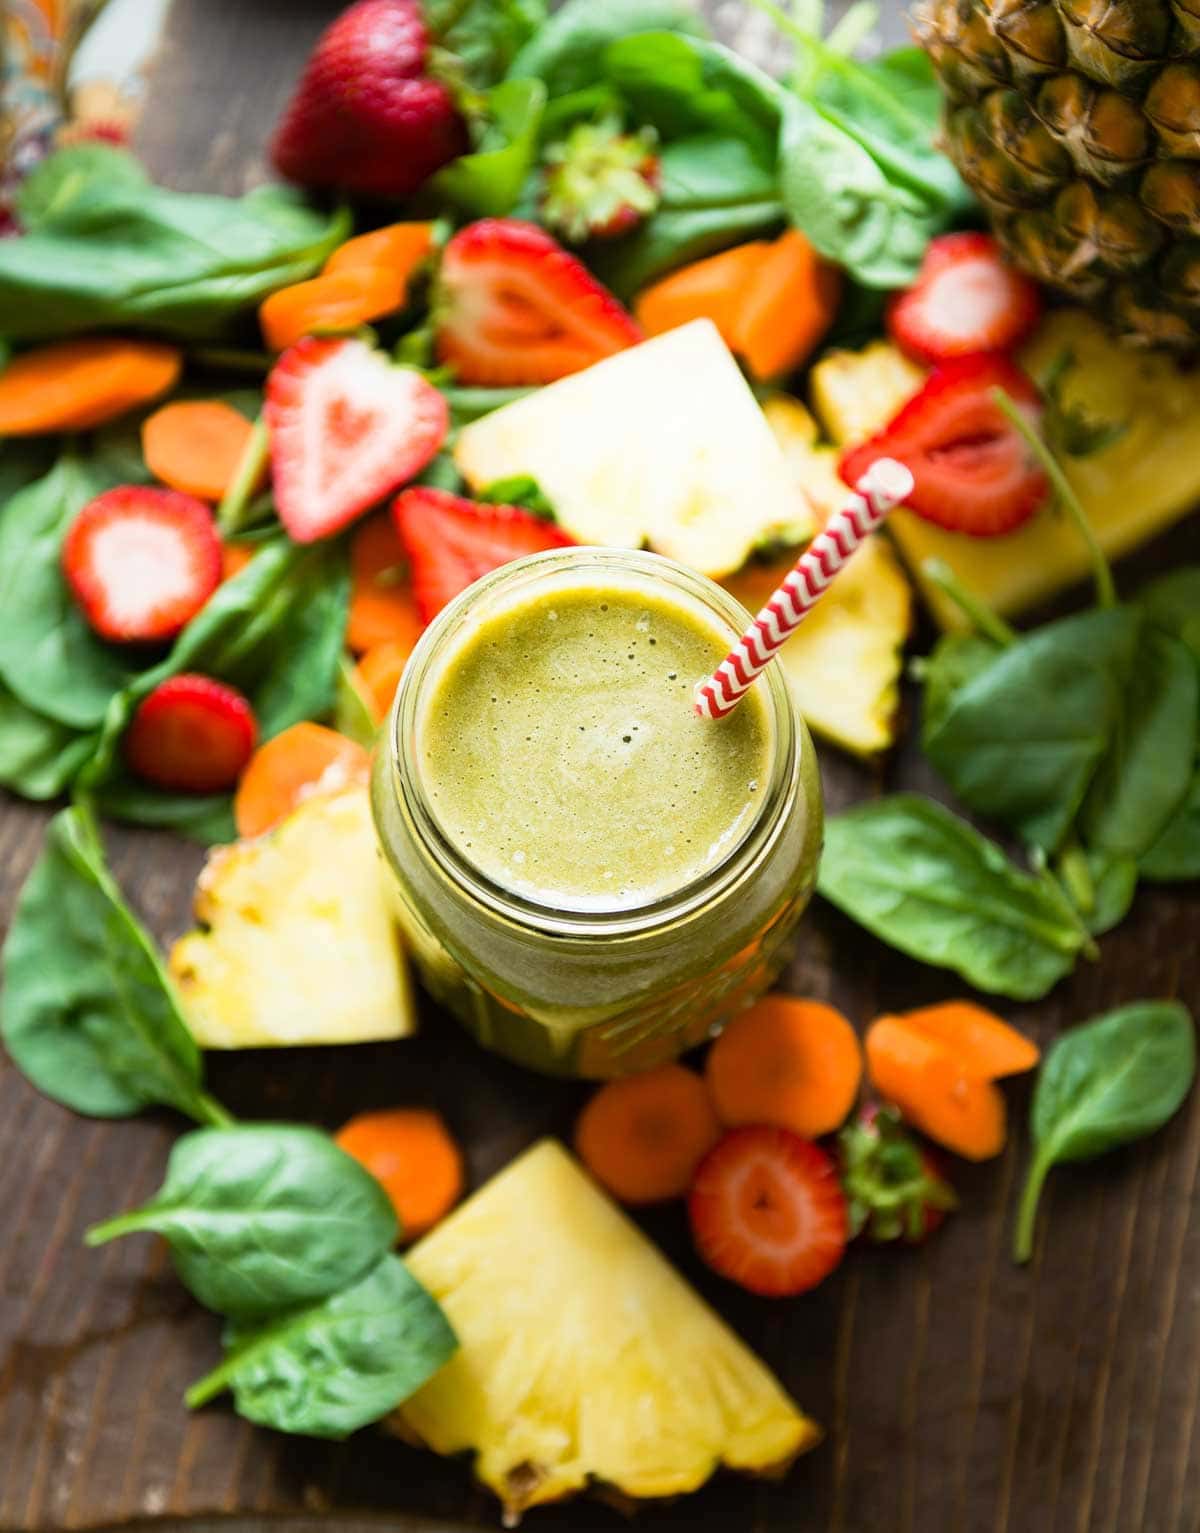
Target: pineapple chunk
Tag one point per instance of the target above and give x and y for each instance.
(299, 944)
(1142, 482)
(844, 662)
(662, 444)
(584, 1355)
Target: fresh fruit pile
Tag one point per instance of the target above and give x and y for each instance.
(603, 268)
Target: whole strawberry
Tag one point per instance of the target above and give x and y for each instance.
(894, 1189)
(599, 182)
(365, 116)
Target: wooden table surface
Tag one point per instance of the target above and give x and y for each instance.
(961, 1394)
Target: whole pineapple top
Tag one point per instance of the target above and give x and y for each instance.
(1077, 124)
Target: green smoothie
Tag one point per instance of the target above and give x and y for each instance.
(589, 876)
(562, 755)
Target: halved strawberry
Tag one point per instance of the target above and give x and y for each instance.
(346, 428)
(767, 1211)
(192, 735)
(452, 541)
(895, 1189)
(141, 562)
(966, 298)
(516, 308)
(972, 472)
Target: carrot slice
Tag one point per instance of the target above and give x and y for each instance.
(305, 759)
(195, 445)
(234, 559)
(784, 311)
(382, 608)
(399, 247)
(708, 289)
(988, 1046)
(643, 1137)
(415, 1158)
(339, 300)
(378, 675)
(72, 385)
(794, 1064)
(934, 1090)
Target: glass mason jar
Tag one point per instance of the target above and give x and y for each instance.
(597, 992)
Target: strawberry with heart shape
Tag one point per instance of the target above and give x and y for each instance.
(347, 428)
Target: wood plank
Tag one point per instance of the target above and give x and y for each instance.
(961, 1393)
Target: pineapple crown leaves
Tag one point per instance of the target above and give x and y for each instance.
(889, 1181)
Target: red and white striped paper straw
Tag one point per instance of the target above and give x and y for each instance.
(885, 484)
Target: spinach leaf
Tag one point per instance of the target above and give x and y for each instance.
(332, 1367)
(566, 49)
(1147, 767)
(468, 403)
(1172, 603)
(60, 177)
(106, 250)
(49, 658)
(927, 883)
(89, 1015)
(1102, 1085)
(957, 659)
(1023, 739)
(22, 460)
(1113, 880)
(484, 35)
(1176, 854)
(838, 194)
(263, 1217)
(487, 182)
(352, 710)
(276, 632)
(38, 756)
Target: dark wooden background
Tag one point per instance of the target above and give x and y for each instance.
(961, 1394)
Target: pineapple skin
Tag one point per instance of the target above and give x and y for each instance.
(1131, 489)
(298, 942)
(583, 1355)
(1077, 125)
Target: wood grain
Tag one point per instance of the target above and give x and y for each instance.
(962, 1394)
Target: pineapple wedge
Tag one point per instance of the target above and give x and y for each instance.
(584, 1356)
(662, 444)
(1142, 482)
(845, 660)
(299, 944)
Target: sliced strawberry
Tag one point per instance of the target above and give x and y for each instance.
(141, 562)
(346, 428)
(451, 542)
(894, 1188)
(191, 734)
(516, 308)
(972, 471)
(767, 1211)
(966, 298)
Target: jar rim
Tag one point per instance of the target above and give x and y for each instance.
(787, 742)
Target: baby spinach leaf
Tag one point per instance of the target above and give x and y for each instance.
(487, 182)
(49, 658)
(1176, 854)
(276, 632)
(38, 756)
(1023, 739)
(566, 50)
(1108, 1083)
(1173, 603)
(484, 35)
(107, 250)
(332, 1367)
(22, 460)
(1113, 879)
(841, 197)
(715, 191)
(956, 660)
(927, 883)
(1147, 767)
(89, 1015)
(352, 710)
(262, 1217)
